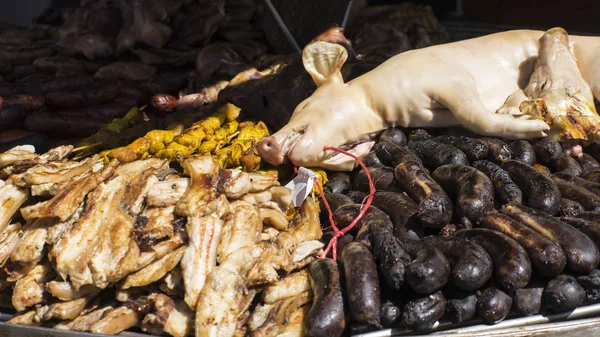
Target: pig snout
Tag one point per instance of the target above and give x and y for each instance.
(271, 150)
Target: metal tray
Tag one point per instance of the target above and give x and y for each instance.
(577, 322)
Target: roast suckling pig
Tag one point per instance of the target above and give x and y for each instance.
(464, 82)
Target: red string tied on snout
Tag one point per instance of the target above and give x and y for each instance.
(337, 233)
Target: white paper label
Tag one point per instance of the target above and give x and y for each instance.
(302, 185)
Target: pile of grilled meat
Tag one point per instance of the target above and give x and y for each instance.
(105, 247)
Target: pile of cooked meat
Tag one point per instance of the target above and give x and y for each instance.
(72, 72)
(105, 247)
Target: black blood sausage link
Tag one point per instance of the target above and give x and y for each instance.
(471, 264)
(390, 314)
(547, 150)
(362, 284)
(392, 154)
(335, 201)
(28, 103)
(539, 191)
(587, 227)
(393, 135)
(435, 208)
(563, 293)
(339, 182)
(590, 201)
(545, 255)
(528, 301)
(326, 316)
(418, 135)
(435, 154)
(401, 210)
(390, 257)
(344, 215)
(422, 313)
(591, 284)
(493, 305)
(472, 147)
(512, 267)
(506, 191)
(522, 151)
(67, 83)
(593, 150)
(542, 169)
(11, 117)
(499, 151)
(89, 95)
(24, 56)
(461, 307)
(358, 196)
(593, 216)
(429, 270)
(382, 177)
(371, 160)
(567, 164)
(569, 208)
(582, 254)
(587, 162)
(588, 185)
(471, 188)
(592, 175)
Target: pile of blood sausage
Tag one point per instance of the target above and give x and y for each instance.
(461, 228)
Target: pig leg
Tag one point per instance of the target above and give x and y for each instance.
(464, 101)
(511, 106)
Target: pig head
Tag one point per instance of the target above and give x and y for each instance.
(326, 118)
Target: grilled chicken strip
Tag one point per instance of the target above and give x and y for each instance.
(64, 310)
(117, 252)
(55, 172)
(154, 271)
(141, 183)
(172, 283)
(75, 248)
(274, 218)
(9, 241)
(25, 319)
(172, 317)
(115, 321)
(200, 255)
(271, 319)
(31, 247)
(22, 165)
(240, 183)
(221, 301)
(200, 198)
(242, 229)
(29, 290)
(84, 322)
(161, 249)
(58, 229)
(167, 193)
(295, 323)
(158, 223)
(21, 152)
(64, 290)
(289, 286)
(64, 204)
(11, 198)
(32, 211)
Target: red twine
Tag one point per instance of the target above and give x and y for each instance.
(337, 233)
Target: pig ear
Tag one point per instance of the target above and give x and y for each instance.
(324, 61)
